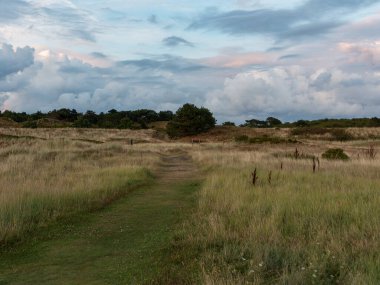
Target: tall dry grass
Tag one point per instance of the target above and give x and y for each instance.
(303, 228)
(42, 180)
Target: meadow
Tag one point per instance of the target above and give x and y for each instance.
(47, 175)
(294, 226)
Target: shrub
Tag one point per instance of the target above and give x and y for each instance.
(336, 134)
(242, 138)
(228, 124)
(341, 135)
(335, 154)
(30, 124)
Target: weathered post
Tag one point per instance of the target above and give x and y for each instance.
(296, 153)
(254, 177)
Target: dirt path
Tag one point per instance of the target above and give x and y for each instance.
(122, 244)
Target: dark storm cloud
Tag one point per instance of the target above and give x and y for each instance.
(281, 23)
(176, 41)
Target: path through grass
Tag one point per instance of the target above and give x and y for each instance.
(125, 243)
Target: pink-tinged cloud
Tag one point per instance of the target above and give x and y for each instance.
(364, 52)
(239, 60)
(43, 54)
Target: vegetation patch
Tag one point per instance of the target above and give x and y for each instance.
(264, 139)
(11, 137)
(190, 120)
(335, 134)
(335, 154)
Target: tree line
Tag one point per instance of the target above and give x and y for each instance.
(188, 120)
(272, 122)
(138, 119)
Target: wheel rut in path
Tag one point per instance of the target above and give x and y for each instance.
(121, 244)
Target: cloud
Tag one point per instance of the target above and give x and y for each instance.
(12, 61)
(366, 54)
(288, 56)
(307, 20)
(167, 63)
(153, 19)
(57, 81)
(239, 60)
(54, 17)
(235, 86)
(295, 93)
(12, 10)
(99, 55)
(174, 41)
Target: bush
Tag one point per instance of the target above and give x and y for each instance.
(341, 135)
(190, 120)
(335, 154)
(336, 134)
(30, 124)
(82, 123)
(228, 124)
(242, 138)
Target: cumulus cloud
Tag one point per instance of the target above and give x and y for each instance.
(56, 81)
(12, 61)
(293, 92)
(365, 53)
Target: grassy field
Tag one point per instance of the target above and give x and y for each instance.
(298, 228)
(295, 226)
(46, 176)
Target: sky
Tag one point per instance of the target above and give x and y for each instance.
(242, 59)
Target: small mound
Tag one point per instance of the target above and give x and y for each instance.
(335, 154)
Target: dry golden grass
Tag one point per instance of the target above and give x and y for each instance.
(48, 174)
(303, 228)
(87, 135)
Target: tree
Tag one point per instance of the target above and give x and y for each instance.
(165, 115)
(190, 120)
(272, 122)
(228, 124)
(255, 123)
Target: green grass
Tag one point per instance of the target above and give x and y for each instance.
(128, 242)
(27, 211)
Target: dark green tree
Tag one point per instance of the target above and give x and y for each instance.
(273, 122)
(190, 120)
(228, 124)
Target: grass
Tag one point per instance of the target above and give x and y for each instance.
(303, 228)
(43, 181)
(125, 243)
